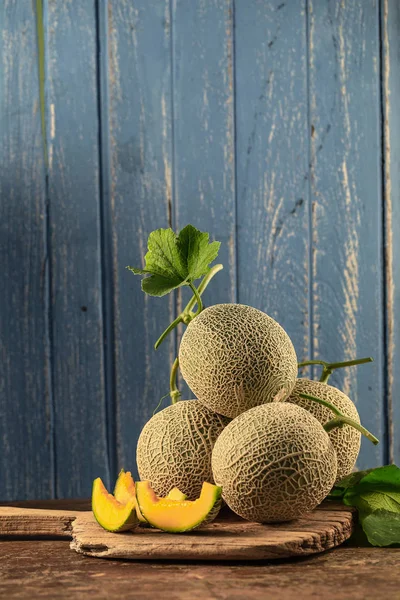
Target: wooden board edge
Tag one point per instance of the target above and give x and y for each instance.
(35, 523)
(313, 543)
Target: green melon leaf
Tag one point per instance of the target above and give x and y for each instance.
(197, 252)
(175, 260)
(376, 495)
(382, 527)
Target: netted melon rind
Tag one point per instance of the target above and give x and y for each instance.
(234, 357)
(174, 448)
(274, 462)
(346, 440)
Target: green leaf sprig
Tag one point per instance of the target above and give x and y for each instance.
(176, 260)
(376, 495)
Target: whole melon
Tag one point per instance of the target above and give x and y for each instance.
(234, 357)
(346, 440)
(174, 448)
(274, 462)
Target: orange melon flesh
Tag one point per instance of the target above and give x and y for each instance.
(176, 516)
(125, 491)
(111, 514)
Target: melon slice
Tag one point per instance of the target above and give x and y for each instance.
(177, 516)
(125, 487)
(124, 491)
(111, 514)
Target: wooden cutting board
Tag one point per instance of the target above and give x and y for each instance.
(227, 538)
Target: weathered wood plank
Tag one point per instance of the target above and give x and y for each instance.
(204, 135)
(204, 130)
(73, 170)
(390, 16)
(346, 202)
(48, 569)
(36, 522)
(225, 539)
(25, 421)
(272, 163)
(140, 197)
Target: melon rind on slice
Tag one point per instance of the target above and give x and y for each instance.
(176, 516)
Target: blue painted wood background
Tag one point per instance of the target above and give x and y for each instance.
(270, 124)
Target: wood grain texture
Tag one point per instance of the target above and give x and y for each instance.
(204, 191)
(272, 163)
(140, 198)
(204, 133)
(262, 122)
(346, 202)
(35, 522)
(48, 569)
(390, 18)
(25, 412)
(77, 332)
(228, 538)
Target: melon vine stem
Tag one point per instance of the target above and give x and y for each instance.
(187, 315)
(173, 389)
(340, 419)
(328, 368)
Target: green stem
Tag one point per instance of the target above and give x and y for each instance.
(170, 327)
(328, 368)
(198, 299)
(173, 388)
(340, 418)
(203, 284)
(186, 315)
(326, 373)
(340, 421)
(311, 362)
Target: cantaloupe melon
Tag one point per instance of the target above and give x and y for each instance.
(174, 448)
(274, 463)
(111, 514)
(346, 440)
(235, 357)
(177, 516)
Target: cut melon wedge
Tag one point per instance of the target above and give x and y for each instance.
(177, 516)
(124, 492)
(124, 489)
(111, 514)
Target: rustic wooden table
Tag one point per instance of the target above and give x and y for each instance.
(49, 569)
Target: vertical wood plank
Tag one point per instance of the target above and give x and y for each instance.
(346, 196)
(204, 142)
(272, 163)
(73, 145)
(390, 16)
(141, 200)
(25, 411)
(204, 135)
